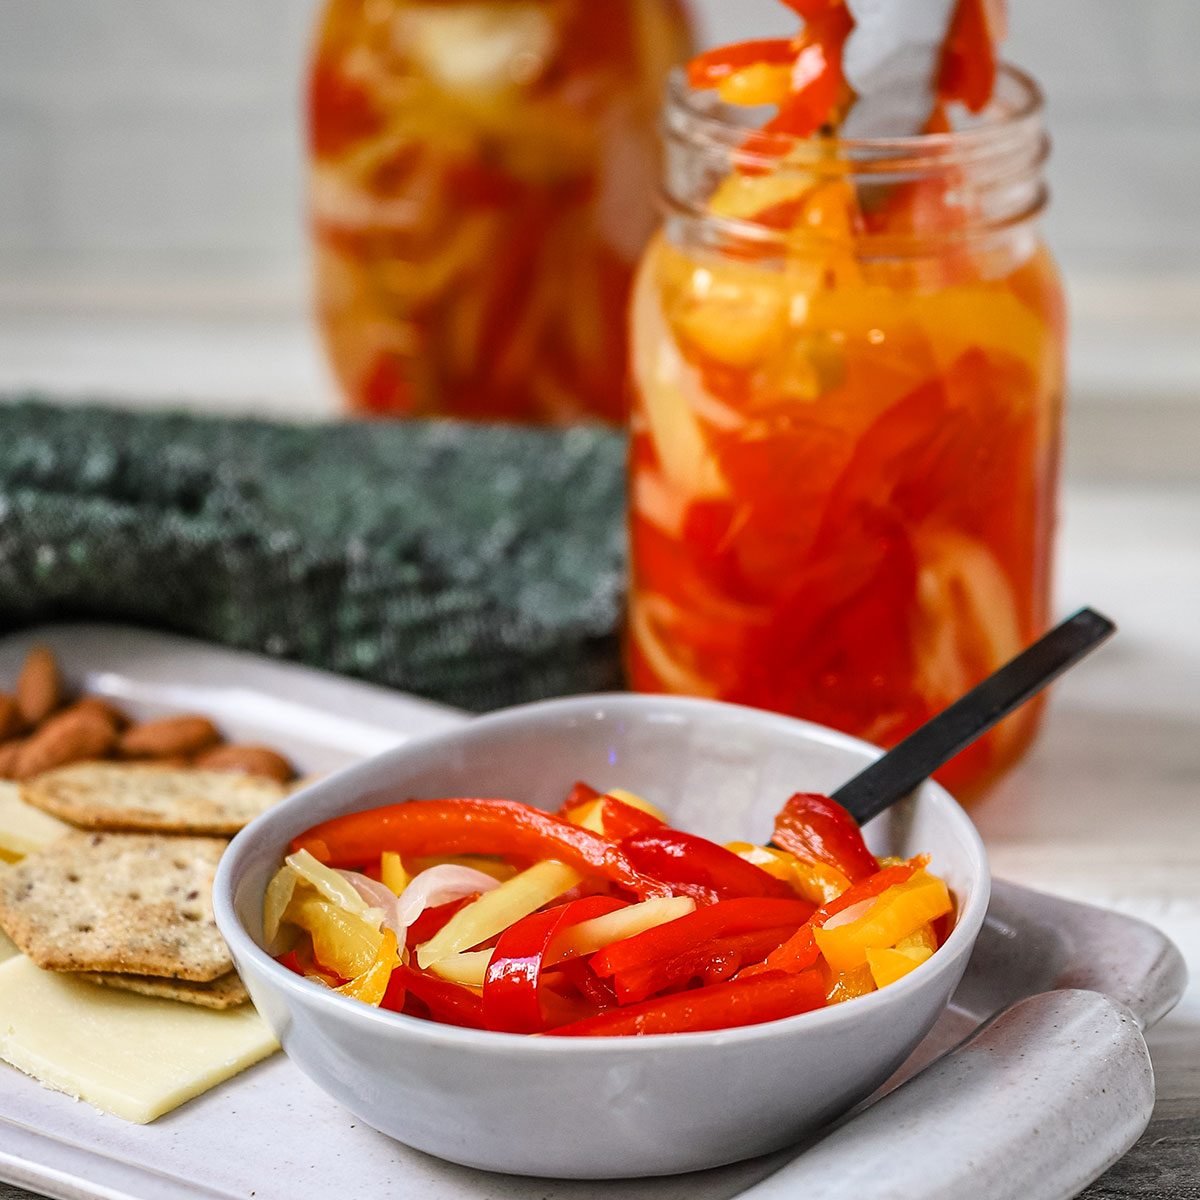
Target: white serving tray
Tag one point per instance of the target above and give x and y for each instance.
(1033, 1082)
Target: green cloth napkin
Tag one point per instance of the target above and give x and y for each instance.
(476, 565)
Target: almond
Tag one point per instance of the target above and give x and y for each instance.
(11, 720)
(250, 760)
(8, 757)
(39, 686)
(168, 737)
(102, 708)
(67, 738)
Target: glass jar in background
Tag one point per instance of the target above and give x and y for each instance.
(848, 364)
(483, 179)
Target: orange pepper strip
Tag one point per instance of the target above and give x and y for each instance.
(800, 951)
(898, 912)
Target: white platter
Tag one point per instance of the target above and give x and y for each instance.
(1054, 1089)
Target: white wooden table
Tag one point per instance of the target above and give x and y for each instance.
(1107, 807)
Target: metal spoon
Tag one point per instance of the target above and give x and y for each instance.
(915, 759)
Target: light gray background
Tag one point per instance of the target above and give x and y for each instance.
(150, 167)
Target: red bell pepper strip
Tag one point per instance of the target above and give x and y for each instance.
(817, 79)
(968, 67)
(579, 795)
(720, 1006)
(710, 962)
(801, 951)
(708, 69)
(512, 1002)
(623, 820)
(473, 826)
(724, 919)
(620, 819)
(447, 1002)
(596, 991)
(694, 866)
(817, 829)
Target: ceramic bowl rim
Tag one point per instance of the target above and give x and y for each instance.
(343, 1008)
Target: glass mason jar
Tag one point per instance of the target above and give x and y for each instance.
(848, 364)
(483, 181)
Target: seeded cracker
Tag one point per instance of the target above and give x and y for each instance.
(139, 797)
(131, 903)
(226, 991)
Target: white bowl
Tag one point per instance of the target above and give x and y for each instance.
(606, 1107)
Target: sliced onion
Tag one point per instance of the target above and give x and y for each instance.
(440, 885)
(382, 901)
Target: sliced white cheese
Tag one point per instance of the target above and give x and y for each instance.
(23, 828)
(136, 1057)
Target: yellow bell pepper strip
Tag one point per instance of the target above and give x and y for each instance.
(588, 937)
(694, 866)
(512, 999)
(468, 969)
(392, 874)
(719, 1006)
(888, 965)
(850, 985)
(916, 943)
(494, 911)
(817, 829)
(497, 868)
(845, 938)
(371, 985)
(473, 826)
(343, 943)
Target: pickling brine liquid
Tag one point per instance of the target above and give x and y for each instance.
(483, 180)
(845, 451)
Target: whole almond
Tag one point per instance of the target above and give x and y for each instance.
(168, 737)
(8, 757)
(11, 720)
(250, 760)
(39, 686)
(66, 738)
(102, 708)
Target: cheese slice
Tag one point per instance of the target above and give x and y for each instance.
(23, 828)
(136, 1057)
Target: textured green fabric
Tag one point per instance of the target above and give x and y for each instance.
(476, 565)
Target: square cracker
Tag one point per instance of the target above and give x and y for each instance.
(133, 903)
(142, 797)
(226, 991)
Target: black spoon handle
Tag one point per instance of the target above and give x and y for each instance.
(913, 760)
